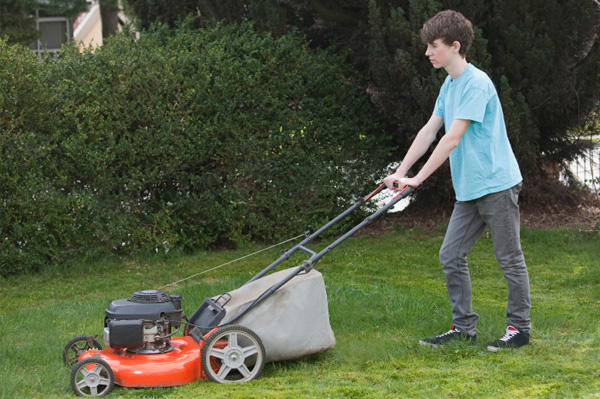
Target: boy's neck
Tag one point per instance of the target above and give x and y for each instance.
(456, 68)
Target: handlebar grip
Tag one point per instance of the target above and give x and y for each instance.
(382, 186)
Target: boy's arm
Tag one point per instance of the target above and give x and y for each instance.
(424, 138)
(442, 151)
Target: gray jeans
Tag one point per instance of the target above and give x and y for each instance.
(500, 212)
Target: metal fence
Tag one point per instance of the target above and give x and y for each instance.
(587, 168)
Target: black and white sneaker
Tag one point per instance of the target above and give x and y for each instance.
(512, 339)
(453, 335)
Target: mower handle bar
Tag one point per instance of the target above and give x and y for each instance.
(309, 264)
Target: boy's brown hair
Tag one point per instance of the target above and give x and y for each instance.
(450, 26)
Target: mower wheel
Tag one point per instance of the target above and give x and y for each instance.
(92, 377)
(232, 354)
(76, 346)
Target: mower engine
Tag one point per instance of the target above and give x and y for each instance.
(144, 322)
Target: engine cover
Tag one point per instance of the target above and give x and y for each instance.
(147, 305)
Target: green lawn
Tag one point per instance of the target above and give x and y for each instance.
(384, 294)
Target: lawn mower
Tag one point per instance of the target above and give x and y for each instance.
(228, 339)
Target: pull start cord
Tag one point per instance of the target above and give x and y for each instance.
(233, 261)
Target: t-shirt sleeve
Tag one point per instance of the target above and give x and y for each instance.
(472, 105)
(438, 109)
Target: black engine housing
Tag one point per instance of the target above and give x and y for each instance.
(143, 322)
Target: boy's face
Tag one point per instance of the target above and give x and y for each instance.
(440, 54)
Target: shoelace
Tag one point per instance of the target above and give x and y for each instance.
(452, 331)
(509, 335)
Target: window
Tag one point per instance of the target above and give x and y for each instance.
(54, 32)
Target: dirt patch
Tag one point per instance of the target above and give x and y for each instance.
(583, 214)
(582, 217)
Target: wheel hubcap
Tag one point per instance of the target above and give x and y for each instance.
(92, 380)
(234, 358)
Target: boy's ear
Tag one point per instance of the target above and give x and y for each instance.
(456, 46)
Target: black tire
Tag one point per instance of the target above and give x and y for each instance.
(92, 377)
(233, 354)
(76, 346)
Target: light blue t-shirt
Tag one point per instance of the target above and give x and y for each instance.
(483, 162)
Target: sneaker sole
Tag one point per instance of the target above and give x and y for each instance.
(496, 348)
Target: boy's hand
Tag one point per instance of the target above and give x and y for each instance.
(412, 181)
(402, 182)
(389, 182)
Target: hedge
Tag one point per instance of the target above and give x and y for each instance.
(177, 139)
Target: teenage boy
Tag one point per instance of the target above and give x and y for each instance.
(485, 176)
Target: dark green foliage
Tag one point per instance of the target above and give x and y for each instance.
(269, 14)
(63, 8)
(548, 52)
(149, 12)
(178, 139)
(17, 20)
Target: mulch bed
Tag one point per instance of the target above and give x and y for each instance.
(582, 215)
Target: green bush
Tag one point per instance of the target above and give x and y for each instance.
(31, 210)
(179, 138)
